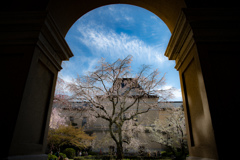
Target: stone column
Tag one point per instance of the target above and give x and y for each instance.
(32, 50)
(204, 45)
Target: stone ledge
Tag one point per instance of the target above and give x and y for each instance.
(27, 157)
(198, 158)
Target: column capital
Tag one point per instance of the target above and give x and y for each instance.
(52, 43)
(181, 41)
(202, 26)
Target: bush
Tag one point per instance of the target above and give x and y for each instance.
(51, 157)
(79, 158)
(164, 153)
(107, 157)
(102, 157)
(93, 153)
(70, 153)
(63, 155)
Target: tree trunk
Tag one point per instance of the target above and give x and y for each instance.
(119, 151)
(119, 144)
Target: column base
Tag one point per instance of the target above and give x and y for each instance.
(198, 158)
(27, 157)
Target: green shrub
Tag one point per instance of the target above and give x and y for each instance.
(79, 158)
(70, 153)
(93, 153)
(102, 157)
(163, 153)
(90, 157)
(63, 155)
(169, 154)
(51, 157)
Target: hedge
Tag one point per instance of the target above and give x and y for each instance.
(70, 153)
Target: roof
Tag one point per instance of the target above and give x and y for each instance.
(129, 84)
(168, 104)
(161, 105)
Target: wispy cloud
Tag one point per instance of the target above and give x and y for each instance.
(78, 65)
(92, 62)
(117, 14)
(105, 42)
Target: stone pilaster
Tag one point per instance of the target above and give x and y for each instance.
(204, 46)
(32, 50)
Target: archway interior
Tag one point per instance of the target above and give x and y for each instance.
(115, 31)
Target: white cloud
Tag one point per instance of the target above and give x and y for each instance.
(129, 19)
(167, 87)
(118, 14)
(66, 78)
(177, 93)
(78, 65)
(91, 65)
(107, 43)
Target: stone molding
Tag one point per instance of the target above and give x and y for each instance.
(181, 41)
(214, 25)
(198, 158)
(28, 157)
(20, 28)
(53, 44)
(202, 26)
(35, 28)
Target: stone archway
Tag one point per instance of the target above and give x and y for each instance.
(166, 10)
(203, 39)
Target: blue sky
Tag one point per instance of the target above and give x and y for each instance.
(115, 31)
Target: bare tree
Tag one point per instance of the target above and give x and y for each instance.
(117, 95)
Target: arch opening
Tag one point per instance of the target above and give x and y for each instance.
(34, 47)
(166, 10)
(115, 31)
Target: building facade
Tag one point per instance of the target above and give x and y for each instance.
(76, 115)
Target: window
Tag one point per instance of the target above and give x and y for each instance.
(122, 85)
(74, 124)
(71, 118)
(84, 121)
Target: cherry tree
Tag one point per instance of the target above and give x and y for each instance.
(117, 95)
(60, 99)
(171, 131)
(131, 130)
(56, 119)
